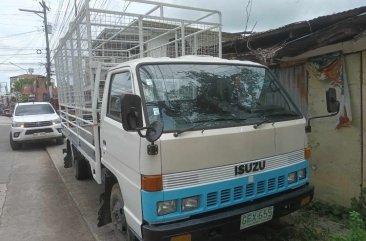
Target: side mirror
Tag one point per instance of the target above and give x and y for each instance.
(332, 102)
(131, 112)
(154, 131)
(332, 107)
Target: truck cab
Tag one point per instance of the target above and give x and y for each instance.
(197, 147)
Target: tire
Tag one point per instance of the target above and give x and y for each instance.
(120, 226)
(81, 169)
(60, 141)
(13, 144)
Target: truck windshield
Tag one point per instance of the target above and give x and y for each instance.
(205, 96)
(35, 109)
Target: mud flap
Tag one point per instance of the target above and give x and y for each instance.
(104, 214)
(68, 157)
(103, 211)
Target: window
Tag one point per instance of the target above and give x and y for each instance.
(35, 109)
(207, 96)
(120, 84)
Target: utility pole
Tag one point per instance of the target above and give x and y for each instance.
(48, 58)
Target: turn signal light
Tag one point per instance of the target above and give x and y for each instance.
(307, 153)
(151, 183)
(306, 200)
(185, 237)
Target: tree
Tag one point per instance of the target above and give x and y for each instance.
(18, 88)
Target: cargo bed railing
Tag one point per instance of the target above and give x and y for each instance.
(98, 39)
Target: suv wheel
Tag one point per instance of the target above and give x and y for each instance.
(14, 145)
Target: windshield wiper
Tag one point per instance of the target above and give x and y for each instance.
(203, 122)
(259, 123)
(265, 118)
(283, 114)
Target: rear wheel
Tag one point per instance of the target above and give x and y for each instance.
(120, 226)
(13, 144)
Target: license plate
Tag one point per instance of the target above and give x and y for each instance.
(39, 134)
(256, 217)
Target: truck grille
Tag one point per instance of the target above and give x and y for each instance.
(46, 130)
(38, 124)
(245, 192)
(223, 173)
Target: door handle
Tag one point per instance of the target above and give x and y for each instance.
(104, 143)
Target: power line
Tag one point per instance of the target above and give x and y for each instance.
(17, 54)
(10, 70)
(26, 46)
(21, 63)
(28, 49)
(18, 34)
(61, 26)
(44, 17)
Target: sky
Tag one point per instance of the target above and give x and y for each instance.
(22, 38)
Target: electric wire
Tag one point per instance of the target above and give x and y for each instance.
(19, 34)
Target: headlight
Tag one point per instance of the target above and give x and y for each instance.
(190, 203)
(57, 121)
(302, 174)
(167, 207)
(292, 177)
(17, 124)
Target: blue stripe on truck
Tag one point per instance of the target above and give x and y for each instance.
(218, 195)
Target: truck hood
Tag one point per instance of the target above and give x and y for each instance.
(35, 118)
(219, 147)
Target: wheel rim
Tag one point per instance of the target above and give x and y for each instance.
(118, 218)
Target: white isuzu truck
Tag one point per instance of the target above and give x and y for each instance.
(187, 148)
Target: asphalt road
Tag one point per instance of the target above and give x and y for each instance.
(34, 202)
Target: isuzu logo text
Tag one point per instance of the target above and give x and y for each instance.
(250, 167)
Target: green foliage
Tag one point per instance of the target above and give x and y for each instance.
(308, 228)
(356, 229)
(359, 204)
(330, 210)
(18, 85)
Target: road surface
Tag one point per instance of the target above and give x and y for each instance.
(34, 202)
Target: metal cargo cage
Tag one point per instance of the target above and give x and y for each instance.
(124, 30)
(121, 34)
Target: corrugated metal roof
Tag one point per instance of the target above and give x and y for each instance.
(302, 36)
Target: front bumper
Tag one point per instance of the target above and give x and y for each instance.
(36, 133)
(227, 222)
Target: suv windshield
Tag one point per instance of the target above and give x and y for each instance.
(220, 95)
(35, 109)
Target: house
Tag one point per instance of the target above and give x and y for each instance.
(36, 89)
(309, 57)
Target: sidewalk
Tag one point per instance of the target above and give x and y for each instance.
(84, 193)
(36, 204)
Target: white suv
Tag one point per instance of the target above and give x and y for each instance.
(34, 121)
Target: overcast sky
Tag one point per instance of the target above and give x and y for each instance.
(21, 33)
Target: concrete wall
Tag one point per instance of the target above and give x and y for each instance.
(363, 61)
(336, 162)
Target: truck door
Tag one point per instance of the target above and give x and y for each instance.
(119, 148)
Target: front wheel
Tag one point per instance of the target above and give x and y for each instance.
(13, 144)
(120, 226)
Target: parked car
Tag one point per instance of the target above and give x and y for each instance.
(34, 121)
